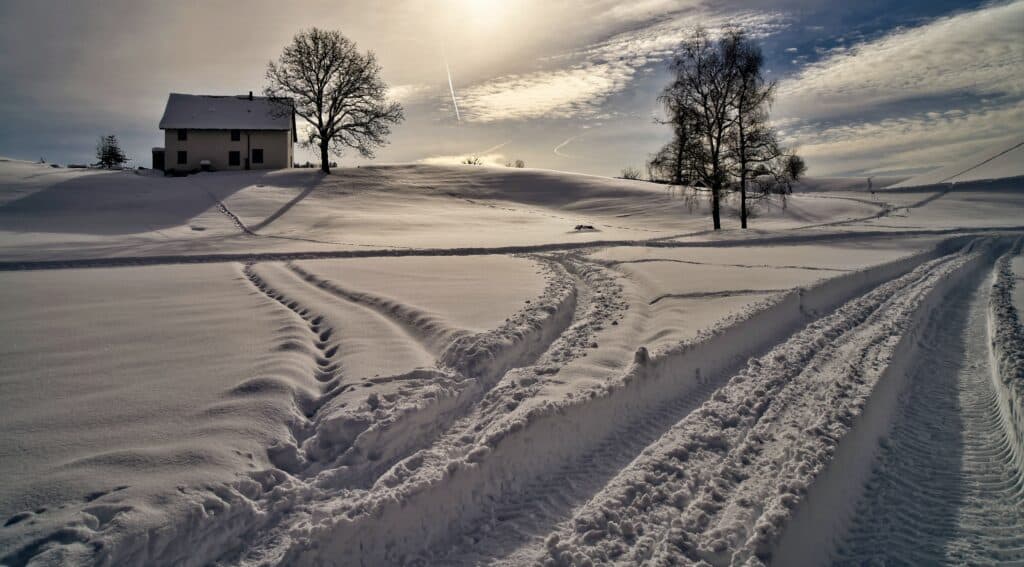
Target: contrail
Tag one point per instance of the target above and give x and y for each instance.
(562, 145)
(495, 148)
(451, 87)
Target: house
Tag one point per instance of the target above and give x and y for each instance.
(225, 133)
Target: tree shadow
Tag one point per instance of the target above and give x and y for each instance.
(308, 185)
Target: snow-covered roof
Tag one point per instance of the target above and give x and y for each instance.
(211, 112)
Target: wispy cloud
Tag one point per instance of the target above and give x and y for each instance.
(414, 92)
(979, 53)
(577, 84)
(910, 143)
(912, 99)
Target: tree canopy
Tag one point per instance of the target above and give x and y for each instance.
(337, 90)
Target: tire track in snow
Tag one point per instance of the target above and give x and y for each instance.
(651, 398)
(423, 326)
(394, 252)
(525, 518)
(946, 488)
(713, 294)
(716, 486)
(696, 263)
(483, 359)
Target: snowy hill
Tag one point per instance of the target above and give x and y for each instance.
(431, 365)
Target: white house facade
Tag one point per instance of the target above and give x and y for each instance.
(225, 133)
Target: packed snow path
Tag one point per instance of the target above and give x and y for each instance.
(723, 484)
(947, 488)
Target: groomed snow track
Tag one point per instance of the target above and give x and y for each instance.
(947, 487)
(426, 510)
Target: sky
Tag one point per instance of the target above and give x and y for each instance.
(864, 88)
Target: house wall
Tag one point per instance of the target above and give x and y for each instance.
(214, 145)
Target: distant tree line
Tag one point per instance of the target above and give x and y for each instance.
(717, 106)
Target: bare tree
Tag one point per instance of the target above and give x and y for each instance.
(703, 96)
(794, 167)
(670, 164)
(630, 173)
(753, 142)
(337, 90)
(718, 107)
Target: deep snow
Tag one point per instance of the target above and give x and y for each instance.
(430, 365)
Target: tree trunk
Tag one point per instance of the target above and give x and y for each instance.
(716, 216)
(743, 198)
(325, 164)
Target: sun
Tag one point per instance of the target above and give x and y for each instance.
(482, 15)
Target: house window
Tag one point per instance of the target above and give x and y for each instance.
(182, 135)
(257, 156)
(182, 158)
(236, 135)
(234, 158)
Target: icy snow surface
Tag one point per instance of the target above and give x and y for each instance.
(430, 365)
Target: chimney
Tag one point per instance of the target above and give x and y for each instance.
(250, 95)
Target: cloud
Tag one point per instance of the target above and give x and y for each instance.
(912, 99)
(586, 78)
(557, 94)
(978, 53)
(910, 143)
(409, 93)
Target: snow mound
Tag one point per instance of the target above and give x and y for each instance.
(998, 162)
(1007, 333)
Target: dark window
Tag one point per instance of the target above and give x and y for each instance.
(182, 158)
(257, 156)
(234, 158)
(182, 135)
(236, 135)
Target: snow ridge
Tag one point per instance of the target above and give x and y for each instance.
(1007, 339)
(945, 487)
(426, 502)
(721, 486)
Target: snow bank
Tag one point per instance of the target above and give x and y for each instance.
(1007, 339)
(823, 513)
(329, 392)
(431, 501)
(720, 486)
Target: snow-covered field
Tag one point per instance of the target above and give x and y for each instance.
(430, 365)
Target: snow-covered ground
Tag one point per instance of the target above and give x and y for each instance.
(423, 364)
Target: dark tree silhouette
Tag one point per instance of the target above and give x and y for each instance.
(338, 90)
(109, 154)
(670, 164)
(701, 99)
(718, 106)
(753, 143)
(630, 173)
(794, 167)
